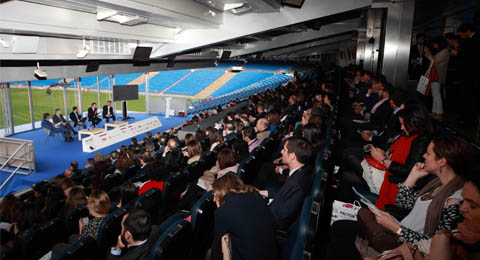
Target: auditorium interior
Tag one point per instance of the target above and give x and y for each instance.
(239, 129)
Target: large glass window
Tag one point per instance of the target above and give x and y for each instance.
(44, 101)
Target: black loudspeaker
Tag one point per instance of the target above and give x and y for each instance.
(259, 56)
(226, 55)
(142, 53)
(170, 63)
(92, 66)
(293, 3)
(141, 56)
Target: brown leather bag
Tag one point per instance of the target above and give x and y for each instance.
(379, 238)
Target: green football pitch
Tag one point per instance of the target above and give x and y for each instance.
(43, 103)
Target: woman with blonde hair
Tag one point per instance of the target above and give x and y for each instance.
(243, 214)
(98, 207)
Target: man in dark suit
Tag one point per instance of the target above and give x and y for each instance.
(287, 202)
(93, 114)
(382, 110)
(108, 112)
(136, 238)
(145, 161)
(418, 61)
(77, 118)
(59, 119)
(384, 137)
(60, 129)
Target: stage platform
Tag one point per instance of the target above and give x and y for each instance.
(53, 157)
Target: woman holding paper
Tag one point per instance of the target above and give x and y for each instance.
(433, 208)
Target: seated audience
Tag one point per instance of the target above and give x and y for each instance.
(76, 198)
(128, 195)
(193, 152)
(465, 244)
(93, 115)
(157, 179)
(58, 119)
(136, 237)
(288, 201)
(262, 129)
(398, 161)
(77, 118)
(250, 137)
(107, 112)
(46, 124)
(243, 215)
(432, 208)
(215, 138)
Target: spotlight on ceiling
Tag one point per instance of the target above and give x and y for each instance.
(40, 73)
(4, 43)
(84, 51)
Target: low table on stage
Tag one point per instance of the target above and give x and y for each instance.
(115, 124)
(89, 132)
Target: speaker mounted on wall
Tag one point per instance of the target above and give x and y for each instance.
(141, 56)
(92, 66)
(226, 55)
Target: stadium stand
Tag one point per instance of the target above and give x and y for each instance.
(164, 79)
(195, 82)
(239, 81)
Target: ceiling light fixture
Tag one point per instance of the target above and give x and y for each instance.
(4, 43)
(229, 6)
(84, 51)
(40, 73)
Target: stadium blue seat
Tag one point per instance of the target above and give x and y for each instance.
(150, 201)
(296, 241)
(173, 242)
(72, 217)
(84, 248)
(202, 221)
(109, 230)
(32, 244)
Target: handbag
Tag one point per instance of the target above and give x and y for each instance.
(373, 174)
(405, 251)
(379, 238)
(344, 211)
(424, 81)
(422, 85)
(226, 247)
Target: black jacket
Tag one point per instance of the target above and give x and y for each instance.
(92, 114)
(287, 202)
(138, 252)
(57, 119)
(105, 110)
(417, 150)
(391, 130)
(382, 114)
(250, 225)
(74, 118)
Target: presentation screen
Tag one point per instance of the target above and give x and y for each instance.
(125, 92)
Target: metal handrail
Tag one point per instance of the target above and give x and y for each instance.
(11, 175)
(11, 157)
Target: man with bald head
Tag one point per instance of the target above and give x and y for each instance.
(262, 129)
